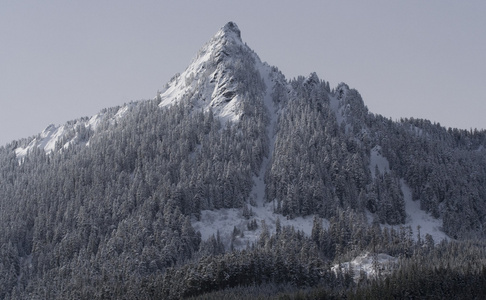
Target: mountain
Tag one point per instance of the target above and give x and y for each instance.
(234, 176)
(224, 75)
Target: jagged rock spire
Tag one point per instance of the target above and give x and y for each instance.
(231, 28)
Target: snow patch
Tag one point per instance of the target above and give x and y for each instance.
(416, 130)
(121, 112)
(417, 217)
(373, 265)
(46, 140)
(225, 220)
(94, 121)
(50, 136)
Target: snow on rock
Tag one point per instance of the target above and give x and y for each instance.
(49, 137)
(46, 140)
(373, 265)
(208, 82)
(121, 112)
(94, 121)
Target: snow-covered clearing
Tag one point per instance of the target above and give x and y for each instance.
(225, 220)
(372, 265)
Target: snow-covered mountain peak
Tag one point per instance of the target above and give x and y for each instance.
(229, 31)
(219, 77)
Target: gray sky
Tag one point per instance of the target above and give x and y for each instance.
(60, 60)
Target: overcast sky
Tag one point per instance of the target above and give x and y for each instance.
(60, 60)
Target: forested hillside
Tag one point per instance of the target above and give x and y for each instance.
(107, 210)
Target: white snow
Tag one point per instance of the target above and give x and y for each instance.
(417, 217)
(121, 112)
(372, 265)
(94, 121)
(50, 136)
(225, 220)
(46, 140)
(204, 82)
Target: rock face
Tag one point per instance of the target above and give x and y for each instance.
(224, 74)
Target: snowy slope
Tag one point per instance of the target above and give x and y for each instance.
(415, 216)
(210, 82)
(45, 140)
(49, 138)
